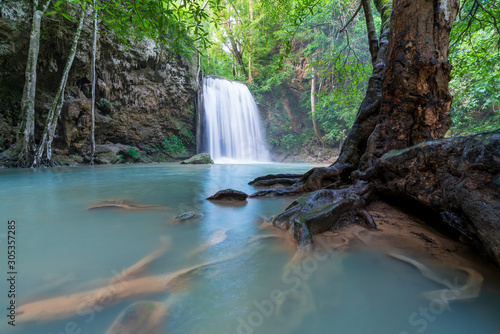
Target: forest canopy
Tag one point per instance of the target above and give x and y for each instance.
(330, 38)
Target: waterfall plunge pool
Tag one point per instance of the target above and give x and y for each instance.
(63, 248)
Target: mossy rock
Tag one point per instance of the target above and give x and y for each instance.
(199, 159)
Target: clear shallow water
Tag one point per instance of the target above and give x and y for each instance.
(64, 248)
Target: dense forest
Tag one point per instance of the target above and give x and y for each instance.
(320, 48)
(306, 62)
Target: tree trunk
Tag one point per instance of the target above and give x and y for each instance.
(416, 100)
(94, 51)
(394, 146)
(250, 79)
(25, 142)
(55, 109)
(234, 48)
(317, 132)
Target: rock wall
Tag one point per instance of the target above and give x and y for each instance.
(143, 95)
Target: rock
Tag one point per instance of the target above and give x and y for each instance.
(144, 94)
(186, 216)
(107, 158)
(110, 148)
(228, 195)
(199, 159)
(116, 153)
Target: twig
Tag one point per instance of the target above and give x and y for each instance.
(352, 18)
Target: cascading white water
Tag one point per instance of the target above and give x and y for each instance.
(232, 123)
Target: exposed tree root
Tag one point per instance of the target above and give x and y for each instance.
(317, 178)
(143, 317)
(322, 210)
(126, 205)
(469, 290)
(84, 303)
(215, 239)
(273, 179)
(143, 264)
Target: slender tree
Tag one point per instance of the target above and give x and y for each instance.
(49, 131)
(93, 69)
(25, 144)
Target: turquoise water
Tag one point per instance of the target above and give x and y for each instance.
(64, 248)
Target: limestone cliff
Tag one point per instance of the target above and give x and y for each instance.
(143, 95)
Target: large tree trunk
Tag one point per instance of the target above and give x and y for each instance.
(415, 97)
(55, 109)
(394, 146)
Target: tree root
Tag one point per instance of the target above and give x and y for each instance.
(143, 264)
(123, 204)
(330, 177)
(85, 303)
(143, 317)
(323, 210)
(273, 179)
(215, 239)
(469, 290)
(368, 219)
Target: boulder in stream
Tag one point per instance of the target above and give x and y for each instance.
(228, 195)
(199, 159)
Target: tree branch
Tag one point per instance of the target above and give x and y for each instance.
(352, 18)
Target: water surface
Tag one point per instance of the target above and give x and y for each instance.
(65, 248)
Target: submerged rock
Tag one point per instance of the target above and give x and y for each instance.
(228, 195)
(199, 159)
(186, 216)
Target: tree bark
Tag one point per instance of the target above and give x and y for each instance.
(317, 132)
(416, 100)
(394, 147)
(55, 109)
(250, 79)
(234, 48)
(94, 51)
(25, 142)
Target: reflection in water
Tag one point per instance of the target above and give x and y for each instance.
(66, 249)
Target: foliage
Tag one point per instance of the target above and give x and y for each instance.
(173, 146)
(132, 151)
(179, 26)
(475, 80)
(105, 105)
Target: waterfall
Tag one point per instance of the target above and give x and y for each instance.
(233, 127)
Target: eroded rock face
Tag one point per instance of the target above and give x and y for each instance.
(456, 177)
(143, 95)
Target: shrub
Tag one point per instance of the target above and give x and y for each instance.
(173, 146)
